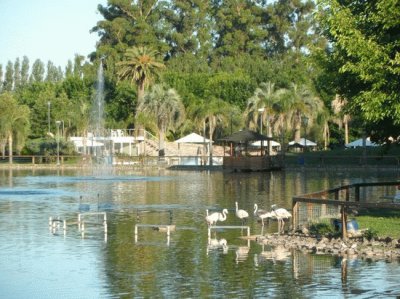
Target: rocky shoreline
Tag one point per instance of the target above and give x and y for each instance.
(388, 249)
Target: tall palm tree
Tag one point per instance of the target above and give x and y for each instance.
(166, 108)
(322, 120)
(302, 103)
(211, 114)
(81, 117)
(342, 118)
(260, 106)
(265, 105)
(139, 66)
(14, 123)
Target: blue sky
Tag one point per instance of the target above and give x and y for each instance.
(53, 30)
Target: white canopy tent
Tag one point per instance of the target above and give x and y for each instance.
(359, 143)
(193, 138)
(203, 149)
(303, 142)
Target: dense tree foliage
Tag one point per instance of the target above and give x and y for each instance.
(14, 124)
(364, 60)
(225, 60)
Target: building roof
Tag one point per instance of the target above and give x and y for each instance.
(302, 142)
(245, 136)
(359, 142)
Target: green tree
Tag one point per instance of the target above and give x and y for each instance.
(190, 28)
(233, 88)
(364, 58)
(340, 116)
(165, 107)
(38, 70)
(24, 71)
(69, 69)
(237, 27)
(302, 102)
(130, 24)
(8, 83)
(267, 105)
(261, 106)
(52, 73)
(17, 73)
(211, 114)
(140, 66)
(14, 123)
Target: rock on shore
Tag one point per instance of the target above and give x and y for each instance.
(375, 249)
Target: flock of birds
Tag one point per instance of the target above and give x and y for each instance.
(280, 214)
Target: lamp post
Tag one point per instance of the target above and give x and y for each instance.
(261, 110)
(48, 114)
(304, 119)
(58, 123)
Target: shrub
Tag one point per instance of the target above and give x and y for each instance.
(321, 229)
(370, 234)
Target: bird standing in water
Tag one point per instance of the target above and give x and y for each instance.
(262, 214)
(280, 214)
(241, 214)
(217, 216)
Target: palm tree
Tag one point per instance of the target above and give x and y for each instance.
(14, 123)
(342, 118)
(265, 105)
(260, 106)
(166, 108)
(323, 119)
(81, 117)
(302, 103)
(212, 114)
(139, 67)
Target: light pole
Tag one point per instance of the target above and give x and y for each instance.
(58, 123)
(48, 114)
(304, 119)
(261, 110)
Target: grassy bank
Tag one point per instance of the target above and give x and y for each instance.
(382, 222)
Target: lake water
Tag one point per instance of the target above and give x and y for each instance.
(39, 262)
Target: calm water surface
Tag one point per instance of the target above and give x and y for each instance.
(38, 263)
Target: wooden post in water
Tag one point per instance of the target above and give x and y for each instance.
(344, 222)
(295, 215)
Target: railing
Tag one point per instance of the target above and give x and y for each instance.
(329, 161)
(336, 202)
(116, 160)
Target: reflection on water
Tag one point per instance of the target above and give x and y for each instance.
(40, 262)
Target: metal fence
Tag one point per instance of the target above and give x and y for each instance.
(336, 203)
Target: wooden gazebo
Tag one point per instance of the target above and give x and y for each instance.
(240, 159)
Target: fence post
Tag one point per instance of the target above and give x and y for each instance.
(344, 222)
(357, 193)
(295, 216)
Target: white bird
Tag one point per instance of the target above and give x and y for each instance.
(241, 214)
(280, 214)
(262, 214)
(216, 216)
